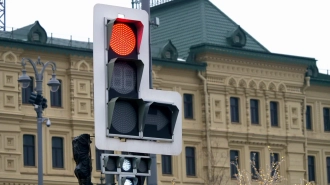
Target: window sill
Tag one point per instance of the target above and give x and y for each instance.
(235, 123)
(56, 107)
(167, 175)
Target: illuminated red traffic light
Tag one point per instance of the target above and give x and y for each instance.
(123, 39)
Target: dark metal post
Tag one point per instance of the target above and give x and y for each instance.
(151, 180)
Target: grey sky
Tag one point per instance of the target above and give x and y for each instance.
(294, 27)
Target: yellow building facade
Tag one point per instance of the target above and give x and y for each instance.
(236, 104)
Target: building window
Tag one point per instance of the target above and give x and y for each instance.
(328, 169)
(26, 92)
(190, 161)
(309, 118)
(326, 117)
(98, 158)
(168, 55)
(234, 157)
(274, 114)
(188, 106)
(254, 106)
(274, 159)
(256, 161)
(311, 168)
(166, 164)
(35, 36)
(58, 152)
(234, 109)
(29, 150)
(56, 97)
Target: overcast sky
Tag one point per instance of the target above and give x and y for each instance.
(294, 27)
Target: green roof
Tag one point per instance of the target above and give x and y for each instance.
(190, 22)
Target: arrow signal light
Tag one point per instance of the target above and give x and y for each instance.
(159, 122)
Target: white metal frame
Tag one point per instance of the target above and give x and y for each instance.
(102, 142)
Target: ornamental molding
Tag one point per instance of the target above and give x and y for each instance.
(259, 84)
(240, 66)
(81, 63)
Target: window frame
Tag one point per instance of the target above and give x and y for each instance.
(56, 98)
(309, 117)
(327, 162)
(257, 163)
(167, 164)
(274, 114)
(26, 95)
(27, 154)
(54, 157)
(234, 109)
(188, 106)
(311, 168)
(193, 160)
(326, 119)
(254, 112)
(276, 160)
(233, 168)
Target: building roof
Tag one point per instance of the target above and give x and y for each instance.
(191, 22)
(187, 27)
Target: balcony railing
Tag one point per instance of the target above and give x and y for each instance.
(137, 3)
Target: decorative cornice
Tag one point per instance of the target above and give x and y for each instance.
(281, 58)
(230, 65)
(179, 64)
(68, 50)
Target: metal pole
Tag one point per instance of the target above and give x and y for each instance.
(151, 180)
(38, 108)
(39, 78)
(146, 6)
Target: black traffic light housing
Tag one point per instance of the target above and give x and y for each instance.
(38, 99)
(123, 178)
(44, 103)
(124, 77)
(125, 164)
(159, 121)
(125, 115)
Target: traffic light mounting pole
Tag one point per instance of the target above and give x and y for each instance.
(151, 180)
(38, 108)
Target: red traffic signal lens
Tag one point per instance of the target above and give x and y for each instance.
(123, 39)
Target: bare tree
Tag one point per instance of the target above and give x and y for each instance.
(219, 174)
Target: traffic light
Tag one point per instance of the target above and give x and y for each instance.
(35, 99)
(125, 164)
(127, 109)
(127, 180)
(44, 103)
(160, 121)
(129, 116)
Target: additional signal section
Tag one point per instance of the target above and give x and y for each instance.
(125, 164)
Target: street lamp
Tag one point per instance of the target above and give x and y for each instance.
(54, 84)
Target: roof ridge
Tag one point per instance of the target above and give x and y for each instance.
(237, 24)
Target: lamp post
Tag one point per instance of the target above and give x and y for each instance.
(54, 84)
